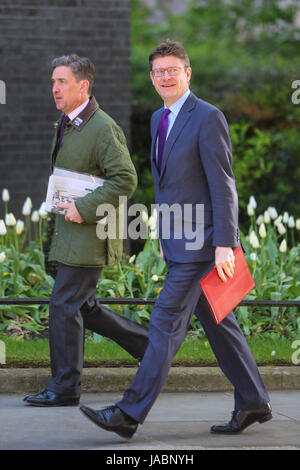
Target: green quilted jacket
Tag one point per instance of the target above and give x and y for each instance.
(93, 143)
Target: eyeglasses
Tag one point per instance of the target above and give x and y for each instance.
(172, 71)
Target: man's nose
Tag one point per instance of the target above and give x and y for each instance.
(166, 74)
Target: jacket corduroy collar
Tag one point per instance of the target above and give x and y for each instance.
(80, 121)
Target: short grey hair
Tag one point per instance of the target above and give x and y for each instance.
(82, 68)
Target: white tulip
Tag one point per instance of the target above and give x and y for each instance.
(278, 220)
(131, 259)
(154, 278)
(252, 202)
(253, 256)
(283, 246)
(285, 218)
(291, 222)
(254, 240)
(145, 216)
(151, 223)
(2, 256)
(298, 224)
(267, 217)
(281, 228)
(259, 219)
(250, 210)
(262, 231)
(35, 216)
(26, 210)
(273, 212)
(42, 211)
(10, 220)
(5, 195)
(19, 227)
(252, 234)
(3, 230)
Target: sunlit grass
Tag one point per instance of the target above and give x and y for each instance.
(193, 352)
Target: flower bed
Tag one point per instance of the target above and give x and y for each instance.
(272, 251)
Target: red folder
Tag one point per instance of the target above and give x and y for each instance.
(222, 297)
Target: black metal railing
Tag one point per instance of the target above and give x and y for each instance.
(144, 301)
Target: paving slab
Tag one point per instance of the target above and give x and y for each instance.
(177, 422)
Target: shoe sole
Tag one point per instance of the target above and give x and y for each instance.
(44, 405)
(127, 435)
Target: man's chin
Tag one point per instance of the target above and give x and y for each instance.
(168, 93)
(59, 105)
(169, 98)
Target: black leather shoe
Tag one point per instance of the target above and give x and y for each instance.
(242, 419)
(112, 419)
(48, 398)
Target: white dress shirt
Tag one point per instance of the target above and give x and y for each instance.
(73, 114)
(174, 108)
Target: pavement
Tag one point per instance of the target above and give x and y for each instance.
(177, 421)
(192, 400)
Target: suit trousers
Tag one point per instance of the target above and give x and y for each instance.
(180, 297)
(73, 308)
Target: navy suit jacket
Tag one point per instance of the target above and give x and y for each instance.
(197, 169)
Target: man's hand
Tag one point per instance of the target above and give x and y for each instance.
(224, 261)
(72, 214)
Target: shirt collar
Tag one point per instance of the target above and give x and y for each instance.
(82, 118)
(73, 114)
(176, 107)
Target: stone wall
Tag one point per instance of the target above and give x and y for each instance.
(32, 33)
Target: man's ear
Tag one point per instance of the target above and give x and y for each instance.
(84, 86)
(152, 78)
(189, 73)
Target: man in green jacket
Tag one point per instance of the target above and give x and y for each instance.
(87, 140)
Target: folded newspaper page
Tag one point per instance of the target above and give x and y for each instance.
(66, 186)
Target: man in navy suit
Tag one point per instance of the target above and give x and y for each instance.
(191, 163)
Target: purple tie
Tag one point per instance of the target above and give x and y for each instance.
(162, 134)
(64, 122)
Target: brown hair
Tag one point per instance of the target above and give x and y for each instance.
(82, 67)
(169, 47)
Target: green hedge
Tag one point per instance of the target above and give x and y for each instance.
(244, 58)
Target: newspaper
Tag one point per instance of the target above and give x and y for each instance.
(66, 186)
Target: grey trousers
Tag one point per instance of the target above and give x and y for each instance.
(73, 309)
